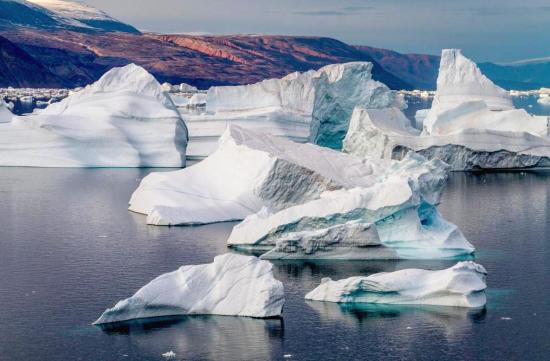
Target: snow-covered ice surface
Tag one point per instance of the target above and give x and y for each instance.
(122, 120)
(80, 15)
(233, 285)
(401, 206)
(307, 201)
(471, 125)
(249, 170)
(462, 285)
(314, 106)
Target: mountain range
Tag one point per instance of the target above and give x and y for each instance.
(67, 44)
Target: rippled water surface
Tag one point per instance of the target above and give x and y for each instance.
(69, 249)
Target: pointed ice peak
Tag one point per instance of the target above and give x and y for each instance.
(460, 81)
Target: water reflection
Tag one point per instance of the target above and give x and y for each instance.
(205, 337)
(450, 322)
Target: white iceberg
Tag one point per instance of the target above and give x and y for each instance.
(400, 207)
(122, 120)
(314, 106)
(233, 285)
(248, 172)
(471, 125)
(462, 285)
(5, 113)
(350, 240)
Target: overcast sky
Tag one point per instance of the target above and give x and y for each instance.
(487, 30)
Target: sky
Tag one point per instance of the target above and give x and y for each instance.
(487, 30)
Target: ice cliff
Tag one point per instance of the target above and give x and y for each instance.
(122, 120)
(462, 285)
(471, 125)
(314, 106)
(233, 285)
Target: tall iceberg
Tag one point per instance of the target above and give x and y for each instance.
(314, 106)
(233, 285)
(122, 120)
(471, 125)
(462, 285)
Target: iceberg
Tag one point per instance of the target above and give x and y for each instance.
(5, 113)
(351, 240)
(122, 120)
(462, 285)
(233, 285)
(471, 125)
(314, 106)
(249, 171)
(306, 201)
(400, 207)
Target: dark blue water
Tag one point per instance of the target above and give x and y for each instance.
(69, 249)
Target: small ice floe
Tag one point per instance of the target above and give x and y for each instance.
(233, 285)
(169, 354)
(462, 285)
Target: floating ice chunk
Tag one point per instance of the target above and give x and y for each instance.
(233, 285)
(249, 171)
(462, 285)
(471, 125)
(5, 114)
(400, 207)
(314, 106)
(169, 354)
(186, 88)
(122, 120)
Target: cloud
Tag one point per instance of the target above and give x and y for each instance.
(344, 11)
(504, 11)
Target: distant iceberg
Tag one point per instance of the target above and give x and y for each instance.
(472, 125)
(5, 114)
(233, 285)
(122, 120)
(462, 285)
(314, 106)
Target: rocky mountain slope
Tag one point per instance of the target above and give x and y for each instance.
(19, 69)
(81, 57)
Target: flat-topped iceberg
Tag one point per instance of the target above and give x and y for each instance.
(122, 120)
(233, 285)
(462, 285)
(471, 125)
(249, 171)
(314, 106)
